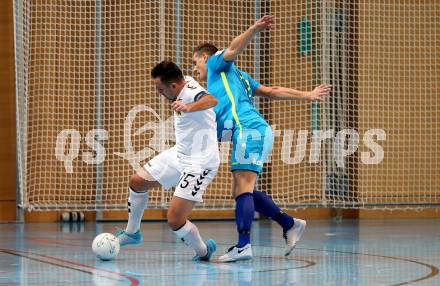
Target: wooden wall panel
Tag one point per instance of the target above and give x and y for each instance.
(399, 87)
(7, 113)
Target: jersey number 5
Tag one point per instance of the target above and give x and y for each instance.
(184, 181)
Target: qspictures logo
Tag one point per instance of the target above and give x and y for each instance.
(307, 148)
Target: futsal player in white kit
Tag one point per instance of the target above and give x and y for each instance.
(189, 166)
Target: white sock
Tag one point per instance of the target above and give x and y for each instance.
(190, 236)
(136, 205)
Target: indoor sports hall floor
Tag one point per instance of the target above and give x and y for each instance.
(348, 252)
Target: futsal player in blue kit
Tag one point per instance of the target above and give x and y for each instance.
(252, 136)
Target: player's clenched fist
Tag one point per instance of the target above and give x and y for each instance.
(180, 106)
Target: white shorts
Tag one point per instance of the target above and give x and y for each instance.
(190, 181)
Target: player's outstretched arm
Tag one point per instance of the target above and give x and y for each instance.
(284, 93)
(239, 43)
(203, 103)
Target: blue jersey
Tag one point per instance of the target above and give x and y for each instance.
(234, 90)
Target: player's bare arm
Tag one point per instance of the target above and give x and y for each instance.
(242, 41)
(284, 93)
(205, 102)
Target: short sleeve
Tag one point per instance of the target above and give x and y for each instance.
(196, 91)
(252, 82)
(199, 95)
(217, 62)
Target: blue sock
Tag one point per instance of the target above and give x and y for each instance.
(266, 206)
(244, 214)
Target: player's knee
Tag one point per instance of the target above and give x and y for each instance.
(243, 182)
(142, 181)
(174, 220)
(137, 183)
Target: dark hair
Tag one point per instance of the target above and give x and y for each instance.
(208, 48)
(167, 72)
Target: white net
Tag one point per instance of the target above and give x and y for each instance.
(88, 114)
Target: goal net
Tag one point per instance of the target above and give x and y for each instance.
(88, 115)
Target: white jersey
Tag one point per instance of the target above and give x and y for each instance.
(196, 132)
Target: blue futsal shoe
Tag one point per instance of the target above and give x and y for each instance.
(128, 238)
(211, 246)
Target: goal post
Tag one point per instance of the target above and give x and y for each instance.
(88, 114)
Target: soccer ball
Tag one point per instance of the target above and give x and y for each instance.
(106, 246)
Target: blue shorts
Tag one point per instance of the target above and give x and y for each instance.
(251, 148)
